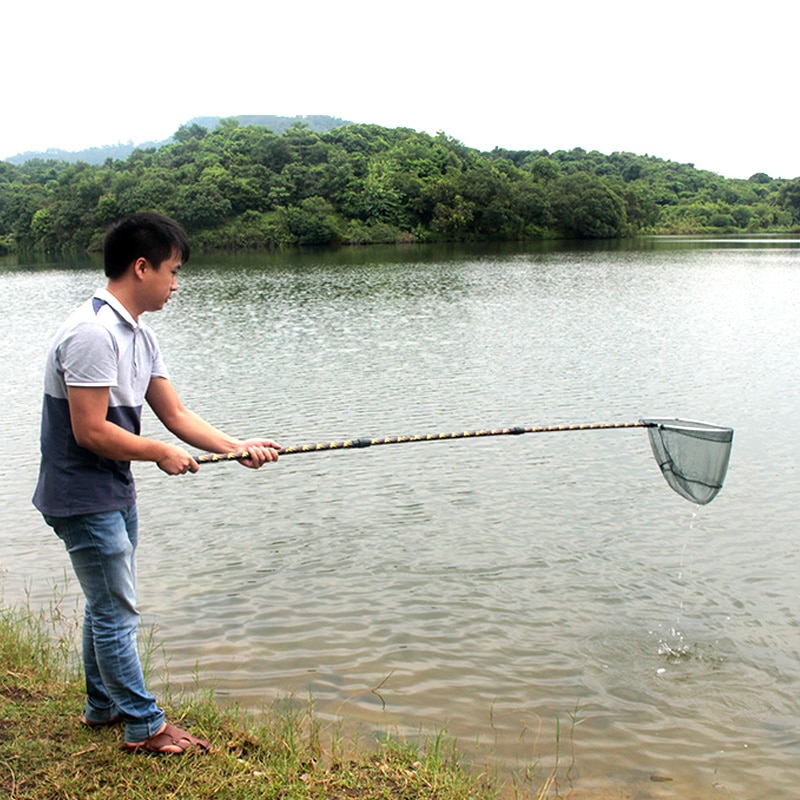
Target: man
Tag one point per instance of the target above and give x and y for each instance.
(103, 364)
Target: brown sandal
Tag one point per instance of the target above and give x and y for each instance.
(169, 741)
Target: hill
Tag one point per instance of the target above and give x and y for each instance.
(245, 186)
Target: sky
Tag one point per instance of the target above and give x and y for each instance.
(705, 82)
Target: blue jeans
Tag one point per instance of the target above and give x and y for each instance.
(102, 548)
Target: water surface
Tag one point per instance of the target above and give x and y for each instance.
(496, 587)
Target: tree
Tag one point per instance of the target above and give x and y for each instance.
(200, 207)
(544, 168)
(585, 207)
(313, 222)
(187, 132)
(789, 198)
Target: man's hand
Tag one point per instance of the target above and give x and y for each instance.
(259, 452)
(177, 461)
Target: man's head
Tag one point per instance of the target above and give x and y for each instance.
(145, 235)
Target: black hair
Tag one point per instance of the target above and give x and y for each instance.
(143, 235)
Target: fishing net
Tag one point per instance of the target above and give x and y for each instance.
(693, 456)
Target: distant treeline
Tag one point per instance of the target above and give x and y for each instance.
(243, 186)
(99, 155)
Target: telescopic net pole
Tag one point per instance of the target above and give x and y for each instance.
(349, 444)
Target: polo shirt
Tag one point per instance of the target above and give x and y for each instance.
(99, 344)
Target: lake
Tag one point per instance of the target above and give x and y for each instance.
(538, 597)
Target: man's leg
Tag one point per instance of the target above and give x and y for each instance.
(102, 548)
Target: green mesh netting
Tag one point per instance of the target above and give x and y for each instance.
(693, 456)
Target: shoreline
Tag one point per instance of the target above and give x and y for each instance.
(281, 752)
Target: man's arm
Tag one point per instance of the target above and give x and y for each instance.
(88, 407)
(195, 431)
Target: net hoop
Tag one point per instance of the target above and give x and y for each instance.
(693, 456)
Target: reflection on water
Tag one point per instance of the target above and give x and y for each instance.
(489, 586)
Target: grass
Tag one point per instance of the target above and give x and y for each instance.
(46, 754)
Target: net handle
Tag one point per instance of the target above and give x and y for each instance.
(352, 444)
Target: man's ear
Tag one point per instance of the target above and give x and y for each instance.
(139, 267)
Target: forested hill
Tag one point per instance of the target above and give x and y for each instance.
(240, 186)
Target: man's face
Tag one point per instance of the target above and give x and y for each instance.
(162, 281)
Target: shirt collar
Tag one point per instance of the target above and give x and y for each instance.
(107, 297)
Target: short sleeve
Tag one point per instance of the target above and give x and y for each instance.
(88, 356)
(158, 369)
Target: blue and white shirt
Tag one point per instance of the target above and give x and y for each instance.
(100, 344)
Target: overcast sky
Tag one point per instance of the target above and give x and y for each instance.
(709, 83)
